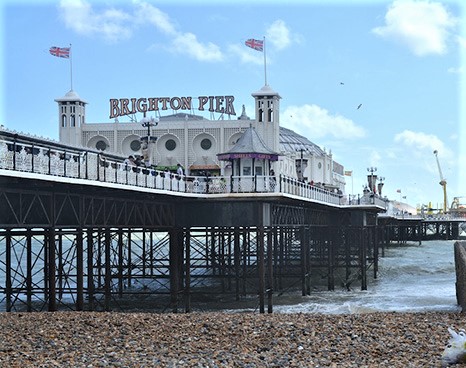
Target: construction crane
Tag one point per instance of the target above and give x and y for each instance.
(443, 183)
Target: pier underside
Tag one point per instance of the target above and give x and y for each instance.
(68, 247)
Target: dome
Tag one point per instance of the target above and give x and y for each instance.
(292, 142)
(181, 116)
(70, 96)
(265, 91)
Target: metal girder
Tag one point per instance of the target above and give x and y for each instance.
(22, 208)
(55, 207)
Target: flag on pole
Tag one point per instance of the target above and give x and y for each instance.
(348, 173)
(255, 44)
(63, 52)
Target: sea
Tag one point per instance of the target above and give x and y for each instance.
(412, 278)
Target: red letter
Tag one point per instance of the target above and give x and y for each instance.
(114, 110)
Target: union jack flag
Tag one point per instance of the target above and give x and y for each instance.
(63, 52)
(255, 44)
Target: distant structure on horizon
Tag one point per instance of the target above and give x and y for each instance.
(195, 142)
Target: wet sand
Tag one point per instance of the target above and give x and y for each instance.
(217, 339)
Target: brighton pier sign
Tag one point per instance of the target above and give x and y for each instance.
(129, 106)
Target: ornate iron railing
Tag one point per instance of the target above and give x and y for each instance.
(52, 158)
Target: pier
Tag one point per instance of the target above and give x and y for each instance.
(81, 231)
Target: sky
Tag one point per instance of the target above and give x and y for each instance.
(402, 62)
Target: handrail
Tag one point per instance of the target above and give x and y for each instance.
(72, 162)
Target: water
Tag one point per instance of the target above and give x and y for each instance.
(412, 278)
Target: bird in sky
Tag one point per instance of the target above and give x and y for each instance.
(359, 106)
(342, 83)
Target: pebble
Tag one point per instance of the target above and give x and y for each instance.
(219, 339)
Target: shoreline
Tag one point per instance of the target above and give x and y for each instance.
(218, 339)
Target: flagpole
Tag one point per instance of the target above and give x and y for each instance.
(265, 64)
(71, 67)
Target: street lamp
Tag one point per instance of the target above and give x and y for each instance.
(301, 168)
(148, 123)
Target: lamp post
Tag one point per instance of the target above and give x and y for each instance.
(146, 152)
(301, 171)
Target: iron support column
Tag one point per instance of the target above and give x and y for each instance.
(52, 270)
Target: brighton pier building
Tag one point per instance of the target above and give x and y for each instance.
(199, 144)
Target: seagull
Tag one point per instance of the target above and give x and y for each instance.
(359, 106)
(342, 83)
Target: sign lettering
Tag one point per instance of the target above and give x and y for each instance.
(127, 106)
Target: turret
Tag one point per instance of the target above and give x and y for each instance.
(267, 122)
(71, 116)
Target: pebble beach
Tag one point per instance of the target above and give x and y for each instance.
(218, 339)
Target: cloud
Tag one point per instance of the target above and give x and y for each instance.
(423, 26)
(462, 42)
(420, 147)
(187, 43)
(279, 35)
(146, 13)
(316, 122)
(459, 70)
(420, 141)
(245, 55)
(112, 24)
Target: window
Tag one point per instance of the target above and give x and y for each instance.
(319, 165)
(206, 143)
(247, 170)
(63, 120)
(170, 145)
(101, 145)
(135, 145)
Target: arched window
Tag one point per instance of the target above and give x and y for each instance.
(72, 121)
(63, 120)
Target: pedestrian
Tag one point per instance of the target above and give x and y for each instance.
(179, 170)
(129, 162)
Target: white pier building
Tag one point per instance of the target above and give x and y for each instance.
(195, 141)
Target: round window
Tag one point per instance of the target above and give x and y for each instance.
(135, 145)
(319, 165)
(101, 145)
(206, 143)
(170, 145)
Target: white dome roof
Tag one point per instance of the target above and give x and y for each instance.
(266, 91)
(70, 96)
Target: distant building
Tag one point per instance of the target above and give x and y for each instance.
(194, 141)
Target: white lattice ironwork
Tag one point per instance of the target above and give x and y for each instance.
(85, 164)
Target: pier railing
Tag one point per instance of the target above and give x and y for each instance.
(60, 160)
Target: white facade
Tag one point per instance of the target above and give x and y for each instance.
(194, 141)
